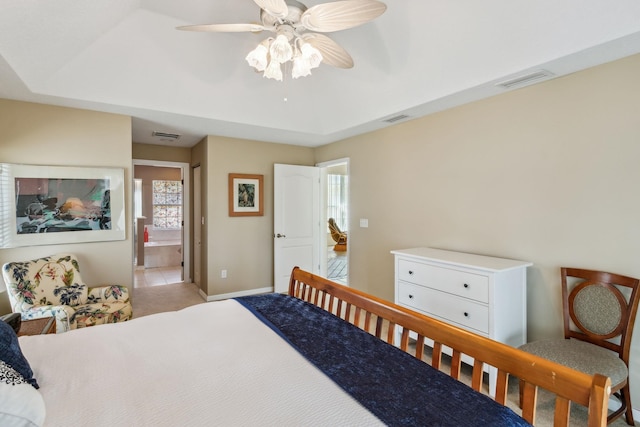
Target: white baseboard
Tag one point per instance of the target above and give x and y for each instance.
(219, 297)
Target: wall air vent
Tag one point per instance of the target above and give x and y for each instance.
(164, 136)
(526, 79)
(396, 118)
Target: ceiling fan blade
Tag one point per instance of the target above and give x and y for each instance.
(332, 53)
(277, 8)
(340, 15)
(224, 28)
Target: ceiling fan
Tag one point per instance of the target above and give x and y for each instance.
(297, 34)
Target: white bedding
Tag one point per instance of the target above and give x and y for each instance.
(194, 367)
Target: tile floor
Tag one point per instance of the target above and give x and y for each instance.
(148, 277)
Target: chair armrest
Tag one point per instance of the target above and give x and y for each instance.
(62, 313)
(109, 293)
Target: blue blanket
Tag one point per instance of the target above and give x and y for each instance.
(395, 386)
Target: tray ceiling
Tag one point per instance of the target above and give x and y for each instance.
(419, 57)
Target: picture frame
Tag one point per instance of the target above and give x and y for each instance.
(47, 205)
(246, 195)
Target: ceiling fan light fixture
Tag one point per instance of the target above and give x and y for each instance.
(273, 71)
(305, 59)
(310, 54)
(257, 58)
(281, 50)
(301, 68)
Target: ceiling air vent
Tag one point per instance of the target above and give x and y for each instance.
(396, 118)
(164, 136)
(526, 79)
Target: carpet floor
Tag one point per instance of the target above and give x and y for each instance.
(158, 299)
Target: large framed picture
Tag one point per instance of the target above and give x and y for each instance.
(46, 205)
(246, 195)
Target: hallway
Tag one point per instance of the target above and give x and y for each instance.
(148, 277)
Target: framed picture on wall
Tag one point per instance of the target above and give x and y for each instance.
(46, 205)
(246, 195)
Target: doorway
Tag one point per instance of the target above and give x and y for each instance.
(304, 200)
(161, 209)
(335, 215)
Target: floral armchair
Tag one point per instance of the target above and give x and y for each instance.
(52, 286)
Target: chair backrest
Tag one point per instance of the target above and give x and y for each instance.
(600, 308)
(336, 234)
(333, 226)
(53, 280)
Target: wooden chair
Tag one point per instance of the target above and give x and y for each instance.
(340, 237)
(599, 313)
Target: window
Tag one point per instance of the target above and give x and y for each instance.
(337, 199)
(167, 204)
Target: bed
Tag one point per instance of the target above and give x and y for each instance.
(321, 355)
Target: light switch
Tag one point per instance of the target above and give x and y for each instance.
(364, 223)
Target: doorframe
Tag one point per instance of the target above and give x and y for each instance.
(198, 220)
(323, 211)
(186, 207)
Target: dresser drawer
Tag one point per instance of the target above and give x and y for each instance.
(468, 285)
(450, 308)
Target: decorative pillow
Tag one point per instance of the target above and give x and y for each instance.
(20, 404)
(11, 354)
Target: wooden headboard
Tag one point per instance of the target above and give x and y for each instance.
(385, 319)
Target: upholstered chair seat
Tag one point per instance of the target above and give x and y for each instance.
(581, 356)
(52, 287)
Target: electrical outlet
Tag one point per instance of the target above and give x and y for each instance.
(223, 274)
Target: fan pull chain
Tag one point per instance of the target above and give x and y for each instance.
(285, 80)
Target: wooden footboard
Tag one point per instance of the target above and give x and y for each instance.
(384, 319)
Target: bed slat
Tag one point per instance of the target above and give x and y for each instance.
(436, 356)
(502, 382)
(562, 411)
(529, 394)
(476, 378)
(456, 364)
(420, 347)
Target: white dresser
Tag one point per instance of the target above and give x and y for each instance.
(482, 294)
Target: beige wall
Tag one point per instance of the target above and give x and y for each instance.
(547, 174)
(45, 135)
(161, 152)
(242, 245)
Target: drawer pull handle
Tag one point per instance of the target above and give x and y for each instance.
(410, 273)
(466, 285)
(466, 314)
(410, 296)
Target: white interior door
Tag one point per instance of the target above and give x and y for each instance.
(296, 221)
